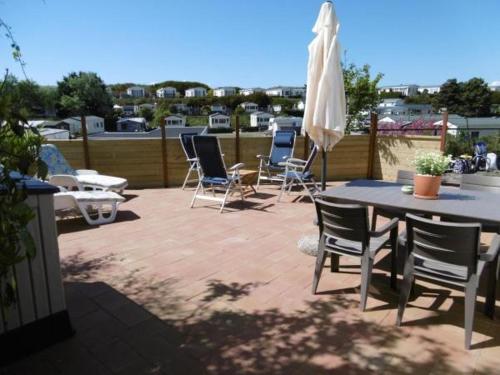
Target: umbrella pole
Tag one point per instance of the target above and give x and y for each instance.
(323, 170)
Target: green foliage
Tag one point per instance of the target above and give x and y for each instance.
(19, 149)
(495, 97)
(476, 98)
(449, 97)
(462, 144)
(159, 116)
(147, 113)
(458, 145)
(470, 99)
(83, 94)
(431, 163)
(391, 95)
(361, 93)
(197, 120)
(420, 98)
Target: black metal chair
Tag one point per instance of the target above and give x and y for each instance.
(281, 150)
(344, 230)
(449, 253)
(405, 178)
(187, 145)
(213, 169)
(298, 172)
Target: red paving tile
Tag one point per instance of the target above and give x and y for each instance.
(172, 290)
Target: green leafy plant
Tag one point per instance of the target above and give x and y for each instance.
(432, 163)
(19, 150)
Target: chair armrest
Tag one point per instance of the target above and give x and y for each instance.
(237, 166)
(67, 181)
(86, 171)
(296, 161)
(492, 251)
(385, 228)
(192, 159)
(263, 157)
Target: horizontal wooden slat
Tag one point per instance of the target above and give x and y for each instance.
(140, 161)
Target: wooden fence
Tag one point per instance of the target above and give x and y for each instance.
(140, 161)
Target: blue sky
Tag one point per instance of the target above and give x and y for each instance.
(250, 43)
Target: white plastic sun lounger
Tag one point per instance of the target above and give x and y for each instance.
(97, 207)
(88, 179)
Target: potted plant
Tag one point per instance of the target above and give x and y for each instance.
(430, 166)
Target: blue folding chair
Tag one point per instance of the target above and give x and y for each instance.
(214, 175)
(187, 145)
(281, 150)
(298, 173)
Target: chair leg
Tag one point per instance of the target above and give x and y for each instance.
(366, 274)
(394, 258)
(258, 176)
(196, 193)
(187, 176)
(241, 190)
(320, 263)
(470, 303)
(492, 275)
(374, 219)
(283, 187)
(406, 287)
(228, 189)
(334, 262)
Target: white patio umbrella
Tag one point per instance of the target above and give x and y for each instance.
(325, 109)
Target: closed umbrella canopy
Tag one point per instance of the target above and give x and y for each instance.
(325, 109)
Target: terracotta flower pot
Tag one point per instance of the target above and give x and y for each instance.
(426, 186)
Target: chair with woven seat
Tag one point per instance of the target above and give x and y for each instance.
(214, 175)
(344, 230)
(298, 172)
(281, 150)
(187, 146)
(449, 253)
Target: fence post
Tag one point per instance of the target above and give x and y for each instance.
(306, 146)
(372, 144)
(237, 140)
(444, 130)
(164, 154)
(86, 154)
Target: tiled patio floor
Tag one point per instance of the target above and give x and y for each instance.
(172, 290)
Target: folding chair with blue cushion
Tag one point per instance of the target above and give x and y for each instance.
(298, 172)
(281, 150)
(61, 174)
(213, 171)
(187, 145)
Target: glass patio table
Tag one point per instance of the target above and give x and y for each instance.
(471, 205)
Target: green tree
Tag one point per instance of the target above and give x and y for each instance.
(476, 98)
(259, 98)
(147, 113)
(361, 93)
(472, 98)
(83, 93)
(449, 97)
(159, 116)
